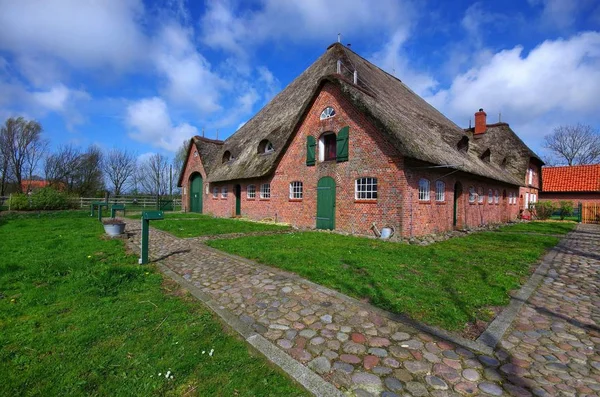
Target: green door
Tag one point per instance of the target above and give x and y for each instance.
(326, 203)
(238, 200)
(196, 194)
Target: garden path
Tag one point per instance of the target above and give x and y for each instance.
(552, 348)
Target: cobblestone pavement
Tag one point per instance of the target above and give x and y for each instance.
(552, 348)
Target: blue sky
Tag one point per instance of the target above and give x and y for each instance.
(145, 75)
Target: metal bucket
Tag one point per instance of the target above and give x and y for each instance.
(386, 233)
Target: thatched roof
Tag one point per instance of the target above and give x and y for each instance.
(412, 125)
(504, 143)
(210, 153)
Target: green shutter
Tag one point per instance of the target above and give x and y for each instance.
(311, 144)
(342, 145)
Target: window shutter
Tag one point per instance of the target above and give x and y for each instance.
(311, 144)
(342, 145)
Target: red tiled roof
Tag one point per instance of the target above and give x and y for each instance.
(577, 178)
(33, 184)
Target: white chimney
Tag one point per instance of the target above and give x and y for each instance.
(355, 77)
(339, 66)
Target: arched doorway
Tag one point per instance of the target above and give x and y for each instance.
(326, 203)
(196, 193)
(456, 209)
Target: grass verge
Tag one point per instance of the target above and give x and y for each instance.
(540, 227)
(448, 284)
(79, 317)
(204, 225)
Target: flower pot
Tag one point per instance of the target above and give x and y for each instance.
(115, 229)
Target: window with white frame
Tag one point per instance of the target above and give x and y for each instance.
(296, 190)
(480, 195)
(490, 196)
(440, 191)
(251, 191)
(265, 191)
(526, 200)
(424, 189)
(496, 196)
(327, 113)
(224, 192)
(215, 192)
(328, 146)
(530, 176)
(365, 188)
(472, 194)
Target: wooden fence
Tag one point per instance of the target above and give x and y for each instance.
(131, 202)
(590, 213)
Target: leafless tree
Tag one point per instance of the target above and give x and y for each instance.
(180, 156)
(61, 168)
(153, 174)
(90, 179)
(574, 144)
(119, 166)
(22, 143)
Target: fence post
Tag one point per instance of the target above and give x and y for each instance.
(9, 200)
(580, 215)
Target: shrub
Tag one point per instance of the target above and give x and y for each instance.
(565, 208)
(19, 202)
(544, 209)
(44, 199)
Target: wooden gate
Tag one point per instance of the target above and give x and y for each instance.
(589, 213)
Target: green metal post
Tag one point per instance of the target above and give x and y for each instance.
(92, 209)
(100, 213)
(145, 230)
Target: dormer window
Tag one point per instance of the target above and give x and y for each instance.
(227, 156)
(486, 156)
(463, 144)
(265, 147)
(327, 113)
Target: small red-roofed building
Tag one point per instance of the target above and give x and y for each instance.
(578, 183)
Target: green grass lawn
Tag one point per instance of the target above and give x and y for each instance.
(446, 284)
(79, 317)
(206, 225)
(540, 227)
(567, 218)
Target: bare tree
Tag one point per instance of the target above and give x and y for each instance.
(5, 176)
(180, 156)
(119, 166)
(61, 168)
(153, 174)
(22, 143)
(574, 144)
(89, 178)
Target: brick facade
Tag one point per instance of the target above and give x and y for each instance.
(370, 155)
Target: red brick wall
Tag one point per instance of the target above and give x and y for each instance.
(193, 165)
(432, 216)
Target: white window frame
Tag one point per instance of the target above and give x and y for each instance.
(327, 113)
(480, 196)
(424, 189)
(269, 148)
(440, 191)
(215, 192)
(526, 200)
(251, 191)
(496, 196)
(365, 188)
(472, 194)
(490, 196)
(224, 192)
(296, 190)
(265, 191)
(531, 176)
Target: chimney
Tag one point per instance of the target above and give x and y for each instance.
(480, 122)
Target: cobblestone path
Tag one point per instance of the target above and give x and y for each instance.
(552, 348)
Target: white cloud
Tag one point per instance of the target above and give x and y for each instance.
(189, 79)
(83, 33)
(558, 13)
(393, 59)
(224, 27)
(272, 85)
(58, 97)
(151, 123)
(557, 81)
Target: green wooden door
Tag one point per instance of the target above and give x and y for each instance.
(238, 200)
(326, 203)
(196, 194)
